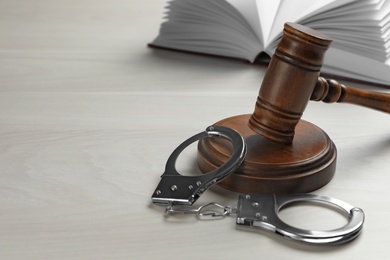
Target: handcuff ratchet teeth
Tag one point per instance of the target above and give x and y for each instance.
(177, 193)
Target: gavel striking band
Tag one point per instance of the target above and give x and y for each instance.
(289, 82)
(285, 153)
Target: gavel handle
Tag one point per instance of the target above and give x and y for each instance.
(329, 91)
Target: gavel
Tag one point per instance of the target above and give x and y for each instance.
(286, 154)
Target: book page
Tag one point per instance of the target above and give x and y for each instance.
(293, 11)
(213, 27)
(248, 9)
(345, 10)
(267, 10)
(355, 66)
(372, 12)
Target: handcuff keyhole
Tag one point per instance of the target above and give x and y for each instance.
(313, 215)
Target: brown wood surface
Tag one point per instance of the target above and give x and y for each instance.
(289, 82)
(329, 91)
(285, 153)
(306, 164)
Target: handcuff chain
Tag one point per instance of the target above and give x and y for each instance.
(210, 210)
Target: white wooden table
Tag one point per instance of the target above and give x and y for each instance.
(89, 115)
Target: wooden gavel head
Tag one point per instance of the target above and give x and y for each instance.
(286, 154)
(289, 82)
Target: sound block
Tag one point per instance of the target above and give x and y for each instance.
(306, 164)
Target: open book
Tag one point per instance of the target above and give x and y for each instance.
(246, 29)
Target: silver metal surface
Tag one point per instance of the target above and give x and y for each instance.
(210, 210)
(176, 189)
(177, 193)
(261, 211)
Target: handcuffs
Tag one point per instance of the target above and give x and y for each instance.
(177, 193)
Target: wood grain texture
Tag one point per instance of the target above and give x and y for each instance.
(306, 156)
(305, 165)
(89, 115)
(329, 91)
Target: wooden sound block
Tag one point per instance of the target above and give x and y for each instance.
(287, 154)
(304, 165)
